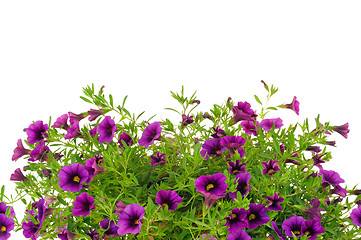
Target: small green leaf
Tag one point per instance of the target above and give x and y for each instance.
(62, 201)
(86, 100)
(271, 108)
(257, 99)
(111, 100)
(2, 193)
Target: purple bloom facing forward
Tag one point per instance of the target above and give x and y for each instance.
(106, 130)
(293, 225)
(61, 122)
(71, 177)
(312, 228)
(267, 124)
(356, 216)
(256, 215)
(249, 127)
(273, 203)
(112, 228)
(233, 143)
(237, 167)
(93, 234)
(40, 153)
(242, 180)
(212, 187)
(6, 225)
(158, 159)
(168, 198)
(126, 138)
(37, 132)
(270, 167)
(18, 176)
(294, 105)
(20, 151)
(343, 129)
(212, 147)
(151, 132)
(186, 119)
(83, 204)
(330, 178)
(239, 235)
(130, 219)
(235, 220)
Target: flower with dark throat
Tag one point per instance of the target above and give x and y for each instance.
(61, 122)
(40, 153)
(219, 132)
(93, 169)
(273, 203)
(256, 215)
(93, 234)
(151, 132)
(106, 130)
(267, 124)
(126, 138)
(212, 187)
(239, 235)
(212, 147)
(242, 111)
(158, 159)
(293, 225)
(71, 177)
(130, 219)
(235, 220)
(6, 226)
(168, 198)
(294, 105)
(356, 216)
(312, 228)
(112, 228)
(18, 176)
(343, 129)
(37, 132)
(20, 151)
(234, 143)
(83, 204)
(236, 167)
(270, 168)
(249, 127)
(186, 119)
(330, 178)
(242, 180)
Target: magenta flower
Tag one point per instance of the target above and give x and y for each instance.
(242, 111)
(30, 229)
(130, 219)
(71, 177)
(212, 147)
(294, 105)
(293, 225)
(112, 228)
(314, 211)
(20, 151)
(267, 124)
(83, 204)
(273, 203)
(18, 176)
(339, 191)
(270, 167)
(37, 132)
(3, 209)
(239, 235)
(158, 159)
(312, 228)
(219, 133)
(256, 215)
(249, 127)
(356, 216)
(94, 114)
(93, 131)
(93, 234)
(236, 167)
(343, 129)
(76, 117)
(126, 138)
(40, 153)
(242, 180)
(235, 220)
(330, 178)
(233, 143)
(120, 207)
(151, 132)
(6, 226)
(73, 131)
(212, 187)
(277, 231)
(61, 122)
(168, 198)
(186, 119)
(93, 169)
(106, 130)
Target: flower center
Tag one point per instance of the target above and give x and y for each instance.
(307, 233)
(3, 229)
(234, 216)
(76, 179)
(235, 171)
(165, 204)
(209, 186)
(136, 222)
(252, 216)
(271, 170)
(297, 232)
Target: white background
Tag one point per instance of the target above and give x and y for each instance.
(49, 50)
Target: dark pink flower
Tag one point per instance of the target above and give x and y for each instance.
(267, 124)
(37, 132)
(151, 132)
(270, 167)
(294, 105)
(219, 133)
(18, 176)
(76, 117)
(168, 198)
(158, 159)
(212, 147)
(212, 187)
(73, 131)
(126, 138)
(40, 153)
(256, 215)
(312, 228)
(343, 129)
(6, 226)
(106, 130)
(186, 119)
(242, 181)
(234, 143)
(20, 151)
(235, 220)
(71, 177)
(273, 203)
(293, 225)
(242, 111)
(130, 219)
(356, 216)
(61, 122)
(83, 204)
(249, 127)
(94, 114)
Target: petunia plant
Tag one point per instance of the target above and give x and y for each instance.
(231, 172)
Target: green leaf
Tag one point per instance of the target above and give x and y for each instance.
(86, 100)
(2, 193)
(257, 99)
(271, 108)
(111, 100)
(62, 201)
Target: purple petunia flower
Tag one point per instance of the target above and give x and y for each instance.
(126, 138)
(343, 129)
(237, 167)
(94, 114)
(249, 127)
(267, 124)
(83, 204)
(339, 191)
(37, 132)
(239, 235)
(130, 219)
(270, 167)
(93, 131)
(212, 147)
(273, 203)
(76, 117)
(30, 229)
(158, 159)
(330, 178)
(40, 153)
(277, 231)
(93, 169)
(312, 228)
(120, 207)
(235, 220)
(151, 132)
(71, 177)
(212, 187)
(112, 228)
(233, 143)
(65, 234)
(6, 226)
(294, 105)
(293, 225)
(314, 211)
(18, 176)
(356, 216)
(317, 160)
(242, 111)
(219, 133)
(168, 198)
(61, 122)
(73, 131)
(3, 209)
(106, 130)
(242, 180)
(256, 215)
(93, 234)
(20, 151)
(186, 119)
